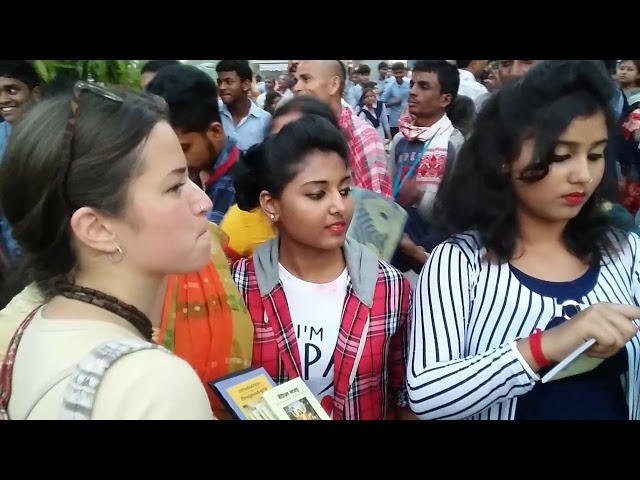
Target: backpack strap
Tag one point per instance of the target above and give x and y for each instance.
(85, 380)
(379, 106)
(6, 371)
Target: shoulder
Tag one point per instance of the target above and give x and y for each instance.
(15, 312)
(151, 384)
(260, 113)
(465, 247)
(365, 130)
(392, 292)
(390, 275)
(456, 140)
(626, 246)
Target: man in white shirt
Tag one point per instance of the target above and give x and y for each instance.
(470, 71)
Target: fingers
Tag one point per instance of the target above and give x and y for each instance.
(631, 312)
(611, 333)
(608, 337)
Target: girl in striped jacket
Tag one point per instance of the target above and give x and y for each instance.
(533, 268)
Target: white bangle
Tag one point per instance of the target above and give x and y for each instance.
(534, 376)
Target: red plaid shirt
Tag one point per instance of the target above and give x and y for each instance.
(368, 157)
(366, 391)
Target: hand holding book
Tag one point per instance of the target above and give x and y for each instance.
(252, 395)
(600, 331)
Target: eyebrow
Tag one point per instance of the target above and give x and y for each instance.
(177, 171)
(569, 143)
(325, 182)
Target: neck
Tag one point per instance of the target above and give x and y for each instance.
(311, 264)
(336, 105)
(629, 87)
(142, 292)
(428, 120)
(535, 233)
(240, 108)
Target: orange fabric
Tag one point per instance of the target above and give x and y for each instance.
(203, 328)
(205, 321)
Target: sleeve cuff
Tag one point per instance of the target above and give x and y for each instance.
(534, 376)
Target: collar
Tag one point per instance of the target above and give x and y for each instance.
(362, 266)
(254, 110)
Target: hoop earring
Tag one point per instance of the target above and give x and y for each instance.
(119, 251)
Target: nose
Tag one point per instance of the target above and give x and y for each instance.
(201, 203)
(297, 86)
(4, 98)
(581, 173)
(337, 205)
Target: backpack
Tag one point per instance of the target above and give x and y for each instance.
(84, 378)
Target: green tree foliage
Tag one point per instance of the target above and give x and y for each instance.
(124, 73)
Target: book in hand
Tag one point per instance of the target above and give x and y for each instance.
(575, 363)
(251, 394)
(293, 401)
(241, 391)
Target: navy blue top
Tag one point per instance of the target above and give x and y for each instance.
(594, 395)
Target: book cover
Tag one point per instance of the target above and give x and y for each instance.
(575, 363)
(294, 401)
(242, 391)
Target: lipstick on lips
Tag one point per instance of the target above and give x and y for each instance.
(574, 198)
(337, 228)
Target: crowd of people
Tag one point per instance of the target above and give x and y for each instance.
(156, 240)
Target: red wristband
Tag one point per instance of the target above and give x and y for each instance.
(535, 344)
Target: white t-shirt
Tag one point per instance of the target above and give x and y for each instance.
(149, 384)
(316, 314)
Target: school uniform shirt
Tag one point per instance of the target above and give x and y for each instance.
(467, 315)
(250, 130)
(347, 339)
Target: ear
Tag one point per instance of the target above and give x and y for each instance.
(35, 93)
(217, 137)
(215, 131)
(270, 206)
(445, 100)
(246, 86)
(334, 85)
(91, 230)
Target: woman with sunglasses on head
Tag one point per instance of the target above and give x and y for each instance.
(533, 268)
(324, 307)
(110, 213)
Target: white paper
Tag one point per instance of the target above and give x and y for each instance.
(564, 364)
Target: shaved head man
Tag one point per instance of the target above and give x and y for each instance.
(325, 80)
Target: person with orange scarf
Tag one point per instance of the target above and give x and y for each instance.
(203, 319)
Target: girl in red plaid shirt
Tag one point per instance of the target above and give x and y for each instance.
(323, 306)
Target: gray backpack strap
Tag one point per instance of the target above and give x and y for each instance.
(85, 380)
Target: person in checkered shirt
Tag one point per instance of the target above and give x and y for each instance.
(324, 307)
